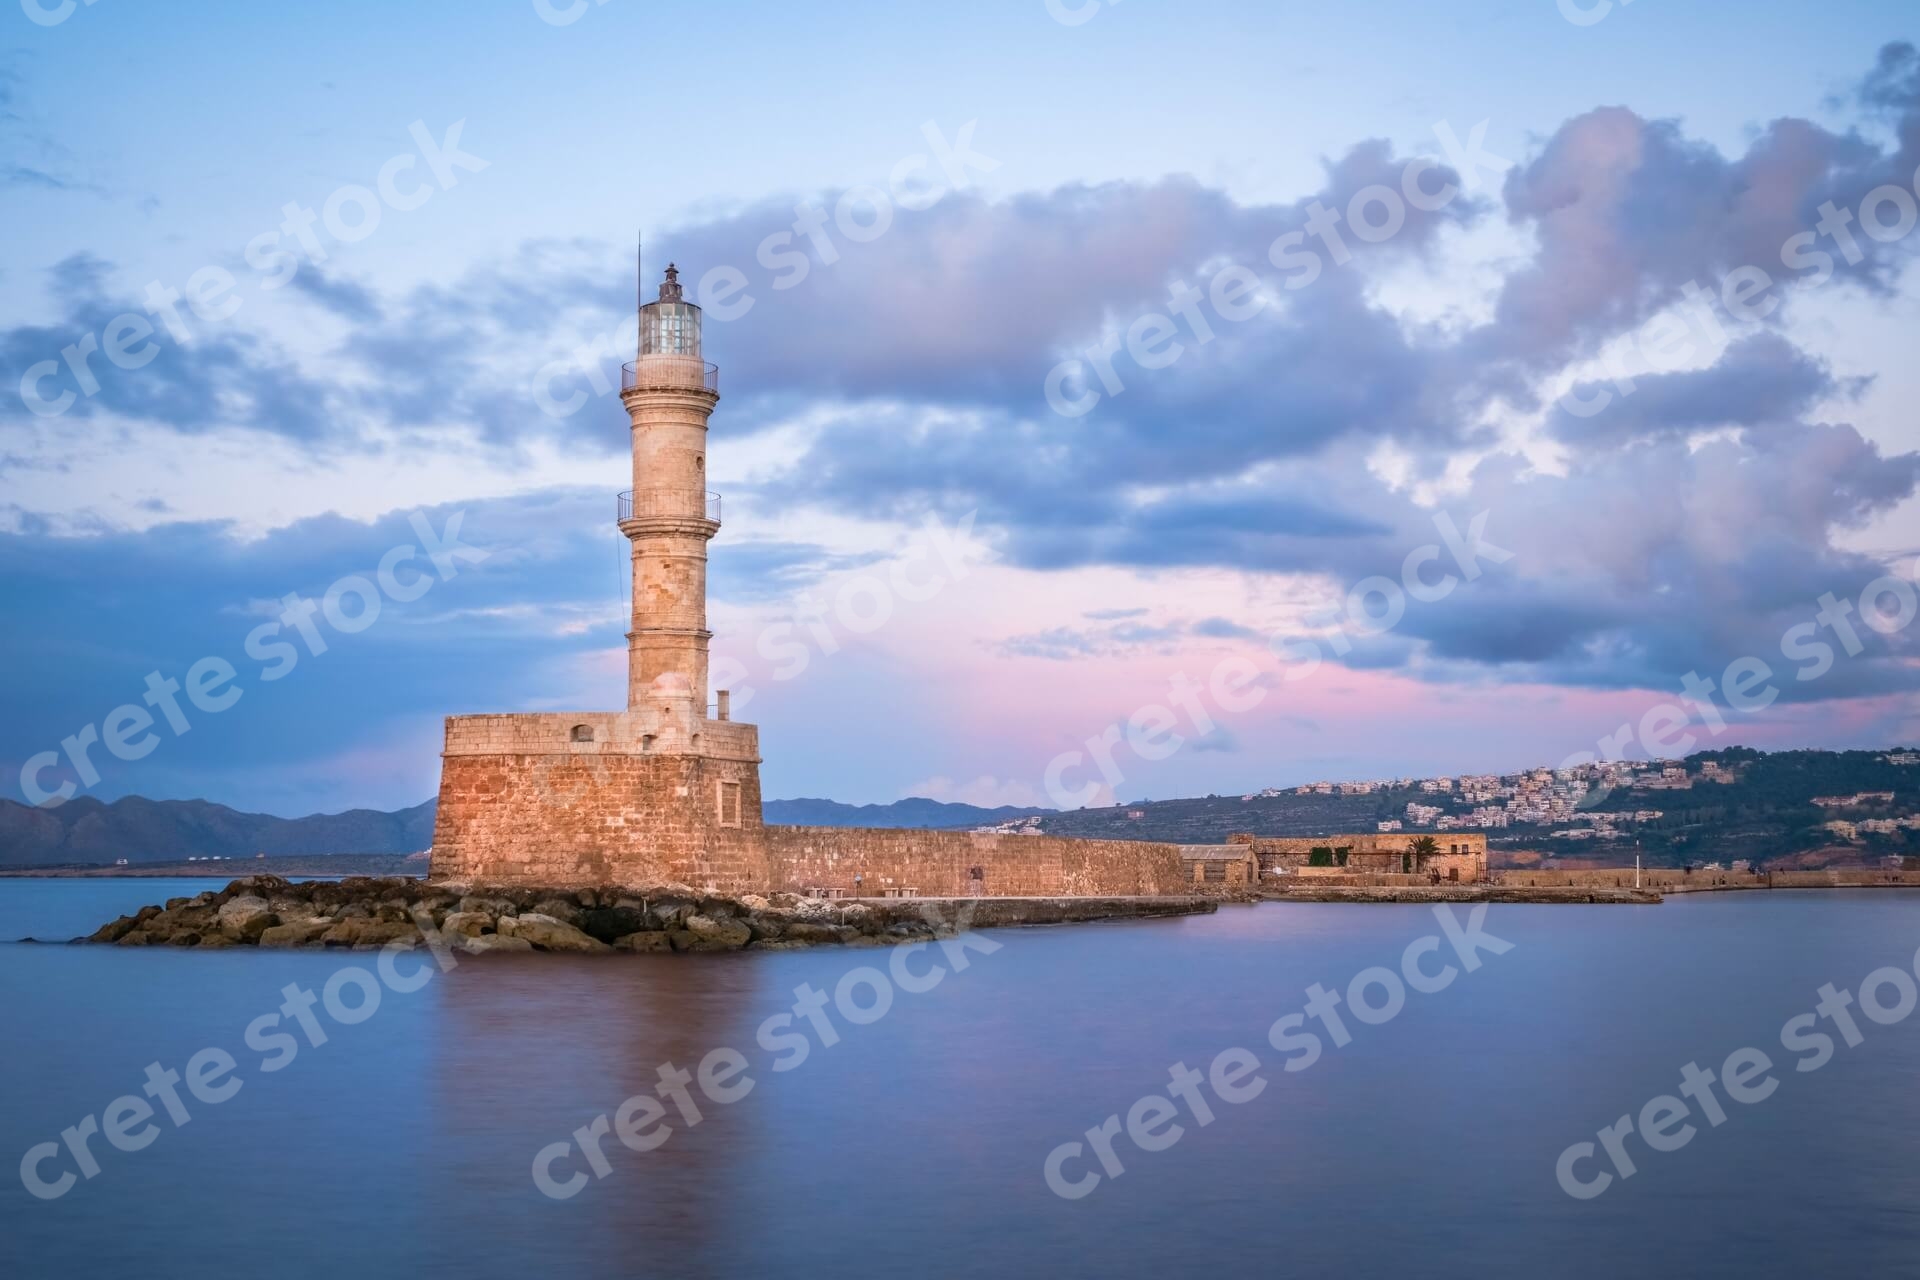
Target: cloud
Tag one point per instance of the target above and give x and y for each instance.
(757, 570)
(17, 175)
(1627, 211)
(1218, 739)
(223, 377)
(1126, 635)
(1648, 561)
(348, 299)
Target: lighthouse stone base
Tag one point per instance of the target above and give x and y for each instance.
(650, 796)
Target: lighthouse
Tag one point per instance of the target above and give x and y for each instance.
(669, 516)
(666, 791)
(665, 794)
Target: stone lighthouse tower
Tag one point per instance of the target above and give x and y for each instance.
(668, 790)
(669, 515)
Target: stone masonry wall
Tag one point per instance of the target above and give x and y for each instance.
(572, 821)
(938, 863)
(1223, 874)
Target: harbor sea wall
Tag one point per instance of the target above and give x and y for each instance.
(1669, 880)
(959, 864)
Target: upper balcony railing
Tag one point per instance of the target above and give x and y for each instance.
(670, 373)
(668, 502)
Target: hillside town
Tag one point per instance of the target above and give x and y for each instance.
(1541, 797)
(1569, 798)
(1727, 808)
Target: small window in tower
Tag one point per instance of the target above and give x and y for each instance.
(583, 733)
(729, 804)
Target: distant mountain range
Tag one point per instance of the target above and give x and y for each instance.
(86, 830)
(914, 811)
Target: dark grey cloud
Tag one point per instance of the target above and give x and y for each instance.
(1757, 381)
(345, 297)
(223, 377)
(1893, 86)
(1648, 561)
(19, 175)
(497, 636)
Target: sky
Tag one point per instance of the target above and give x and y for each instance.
(1120, 400)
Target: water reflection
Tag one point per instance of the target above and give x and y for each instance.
(528, 1049)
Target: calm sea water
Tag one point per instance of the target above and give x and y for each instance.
(1426, 1147)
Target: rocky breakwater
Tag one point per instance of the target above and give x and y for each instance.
(366, 914)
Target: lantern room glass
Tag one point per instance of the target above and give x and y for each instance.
(670, 329)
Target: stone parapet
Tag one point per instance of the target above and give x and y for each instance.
(648, 730)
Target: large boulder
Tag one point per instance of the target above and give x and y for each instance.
(343, 933)
(765, 927)
(469, 924)
(490, 942)
(188, 917)
(810, 932)
(645, 940)
(367, 935)
(245, 919)
(439, 903)
(296, 933)
(610, 924)
(671, 912)
(377, 934)
(117, 929)
(708, 933)
(267, 886)
(561, 909)
(548, 934)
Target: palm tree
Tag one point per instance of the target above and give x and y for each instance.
(1420, 848)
